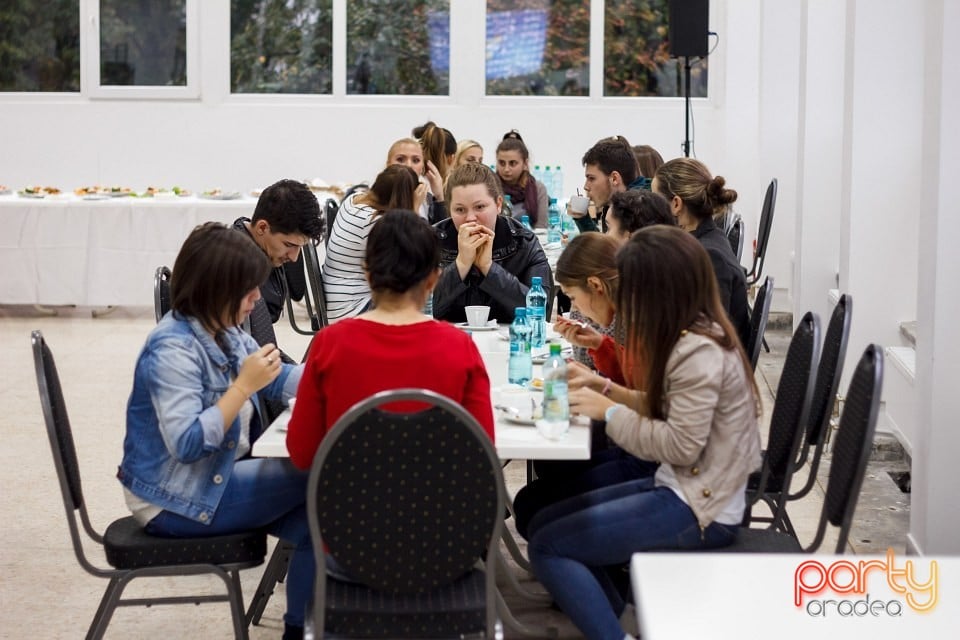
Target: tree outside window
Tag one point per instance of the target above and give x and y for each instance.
(143, 43)
(636, 56)
(40, 45)
(398, 47)
(281, 46)
(538, 47)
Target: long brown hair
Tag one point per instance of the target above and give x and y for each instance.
(393, 188)
(672, 289)
(437, 144)
(215, 268)
(588, 255)
(703, 195)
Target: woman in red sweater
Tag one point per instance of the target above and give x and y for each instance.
(392, 346)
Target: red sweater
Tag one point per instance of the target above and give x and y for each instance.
(354, 358)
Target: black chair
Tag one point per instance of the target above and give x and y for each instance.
(127, 548)
(161, 292)
(408, 504)
(330, 208)
(314, 299)
(851, 452)
(758, 321)
(763, 234)
(734, 231)
(791, 409)
(829, 369)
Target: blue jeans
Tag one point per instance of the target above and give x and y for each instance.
(571, 541)
(262, 493)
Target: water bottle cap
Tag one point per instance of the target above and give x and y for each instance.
(508, 198)
(520, 312)
(554, 349)
(553, 201)
(535, 280)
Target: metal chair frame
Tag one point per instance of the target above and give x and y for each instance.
(763, 233)
(758, 320)
(65, 462)
(314, 299)
(161, 291)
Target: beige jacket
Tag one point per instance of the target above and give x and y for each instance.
(711, 435)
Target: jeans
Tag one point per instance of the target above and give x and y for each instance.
(571, 541)
(558, 481)
(262, 493)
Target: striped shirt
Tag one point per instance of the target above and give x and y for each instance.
(344, 281)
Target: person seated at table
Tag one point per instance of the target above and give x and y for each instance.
(468, 151)
(587, 273)
(630, 211)
(696, 411)
(486, 258)
(408, 152)
(345, 283)
(287, 216)
(528, 196)
(695, 197)
(391, 346)
(648, 161)
(439, 149)
(193, 414)
(609, 167)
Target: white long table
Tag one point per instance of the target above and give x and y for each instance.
(751, 595)
(66, 250)
(513, 442)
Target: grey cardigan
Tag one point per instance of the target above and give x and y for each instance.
(711, 436)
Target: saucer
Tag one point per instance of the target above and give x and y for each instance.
(490, 326)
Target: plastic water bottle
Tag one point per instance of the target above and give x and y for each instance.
(556, 404)
(553, 222)
(537, 173)
(428, 307)
(508, 205)
(547, 179)
(519, 210)
(525, 221)
(537, 312)
(556, 187)
(520, 369)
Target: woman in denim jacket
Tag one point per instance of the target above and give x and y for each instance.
(194, 412)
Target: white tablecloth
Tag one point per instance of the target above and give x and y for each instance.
(66, 250)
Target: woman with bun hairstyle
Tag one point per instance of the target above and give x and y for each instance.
(392, 346)
(439, 150)
(409, 153)
(527, 195)
(695, 197)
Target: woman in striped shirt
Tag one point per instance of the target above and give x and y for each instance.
(345, 284)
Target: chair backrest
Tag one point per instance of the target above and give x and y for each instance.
(763, 233)
(405, 502)
(64, 452)
(758, 320)
(851, 448)
(832, 355)
(733, 229)
(330, 208)
(791, 407)
(161, 292)
(316, 300)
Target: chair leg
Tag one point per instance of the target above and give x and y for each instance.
(514, 550)
(522, 629)
(504, 569)
(275, 571)
(235, 594)
(108, 604)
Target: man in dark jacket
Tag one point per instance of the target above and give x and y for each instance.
(609, 167)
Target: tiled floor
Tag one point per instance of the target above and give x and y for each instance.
(45, 594)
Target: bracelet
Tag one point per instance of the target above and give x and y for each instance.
(240, 389)
(607, 386)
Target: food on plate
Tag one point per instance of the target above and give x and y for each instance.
(537, 383)
(179, 191)
(4, 189)
(213, 193)
(97, 190)
(37, 191)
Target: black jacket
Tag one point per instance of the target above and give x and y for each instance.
(517, 258)
(731, 281)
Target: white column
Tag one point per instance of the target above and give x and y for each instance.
(934, 513)
(818, 222)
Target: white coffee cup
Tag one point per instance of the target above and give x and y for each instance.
(477, 315)
(578, 205)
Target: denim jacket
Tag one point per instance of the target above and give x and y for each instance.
(176, 454)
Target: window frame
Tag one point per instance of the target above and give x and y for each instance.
(90, 61)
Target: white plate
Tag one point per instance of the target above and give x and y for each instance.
(512, 419)
(221, 196)
(490, 326)
(5, 192)
(37, 196)
(540, 358)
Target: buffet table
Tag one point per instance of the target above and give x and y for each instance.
(64, 250)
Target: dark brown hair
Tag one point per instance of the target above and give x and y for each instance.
(216, 267)
(393, 188)
(472, 173)
(648, 159)
(289, 206)
(590, 254)
(438, 144)
(636, 209)
(402, 250)
(703, 195)
(672, 289)
(613, 154)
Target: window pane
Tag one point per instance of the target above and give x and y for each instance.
(143, 43)
(40, 45)
(636, 55)
(538, 47)
(281, 46)
(399, 47)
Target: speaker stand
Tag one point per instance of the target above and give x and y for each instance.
(686, 106)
